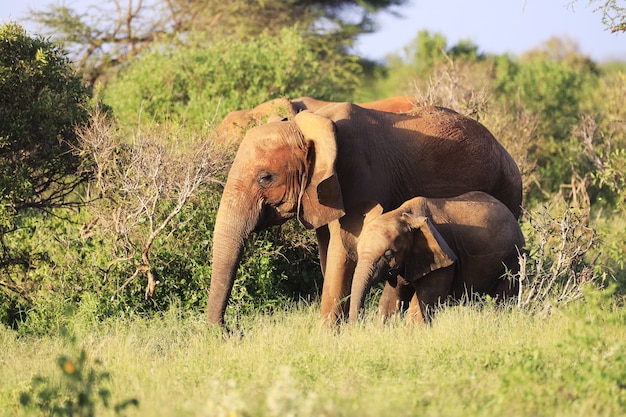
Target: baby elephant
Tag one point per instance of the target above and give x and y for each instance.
(441, 248)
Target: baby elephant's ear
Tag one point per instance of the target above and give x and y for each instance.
(430, 251)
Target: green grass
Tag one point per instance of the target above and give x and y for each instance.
(472, 361)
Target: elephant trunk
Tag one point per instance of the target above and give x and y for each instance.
(364, 278)
(233, 225)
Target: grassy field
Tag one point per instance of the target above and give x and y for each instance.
(472, 361)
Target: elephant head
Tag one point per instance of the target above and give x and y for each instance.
(282, 170)
(396, 243)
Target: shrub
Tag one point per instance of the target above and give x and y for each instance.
(554, 91)
(43, 99)
(559, 264)
(280, 265)
(199, 82)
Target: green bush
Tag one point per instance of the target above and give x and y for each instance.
(405, 68)
(43, 99)
(555, 91)
(281, 265)
(199, 82)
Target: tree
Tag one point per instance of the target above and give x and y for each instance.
(109, 33)
(197, 84)
(43, 100)
(412, 67)
(613, 14)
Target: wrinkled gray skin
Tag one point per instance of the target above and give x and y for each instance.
(320, 165)
(438, 249)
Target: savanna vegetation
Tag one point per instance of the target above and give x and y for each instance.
(110, 178)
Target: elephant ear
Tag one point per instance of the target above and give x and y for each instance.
(321, 201)
(430, 251)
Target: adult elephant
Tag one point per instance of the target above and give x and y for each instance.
(232, 128)
(321, 165)
(439, 248)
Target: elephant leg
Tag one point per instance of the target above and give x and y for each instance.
(414, 315)
(338, 273)
(508, 286)
(505, 288)
(323, 237)
(433, 289)
(395, 298)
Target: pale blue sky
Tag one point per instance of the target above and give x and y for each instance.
(499, 26)
(496, 26)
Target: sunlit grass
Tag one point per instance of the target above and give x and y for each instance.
(472, 360)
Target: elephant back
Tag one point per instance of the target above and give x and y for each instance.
(431, 151)
(485, 235)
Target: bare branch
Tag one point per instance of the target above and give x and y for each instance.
(557, 270)
(144, 183)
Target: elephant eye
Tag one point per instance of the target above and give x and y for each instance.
(265, 178)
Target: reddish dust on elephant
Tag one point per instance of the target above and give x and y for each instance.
(232, 128)
(319, 165)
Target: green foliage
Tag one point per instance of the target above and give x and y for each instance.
(81, 391)
(542, 86)
(466, 50)
(425, 52)
(200, 82)
(613, 176)
(87, 270)
(414, 63)
(280, 265)
(180, 261)
(102, 39)
(559, 263)
(42, 101)
(555, 91)
(71, 263)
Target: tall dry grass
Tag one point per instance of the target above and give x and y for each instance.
(474, 360)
